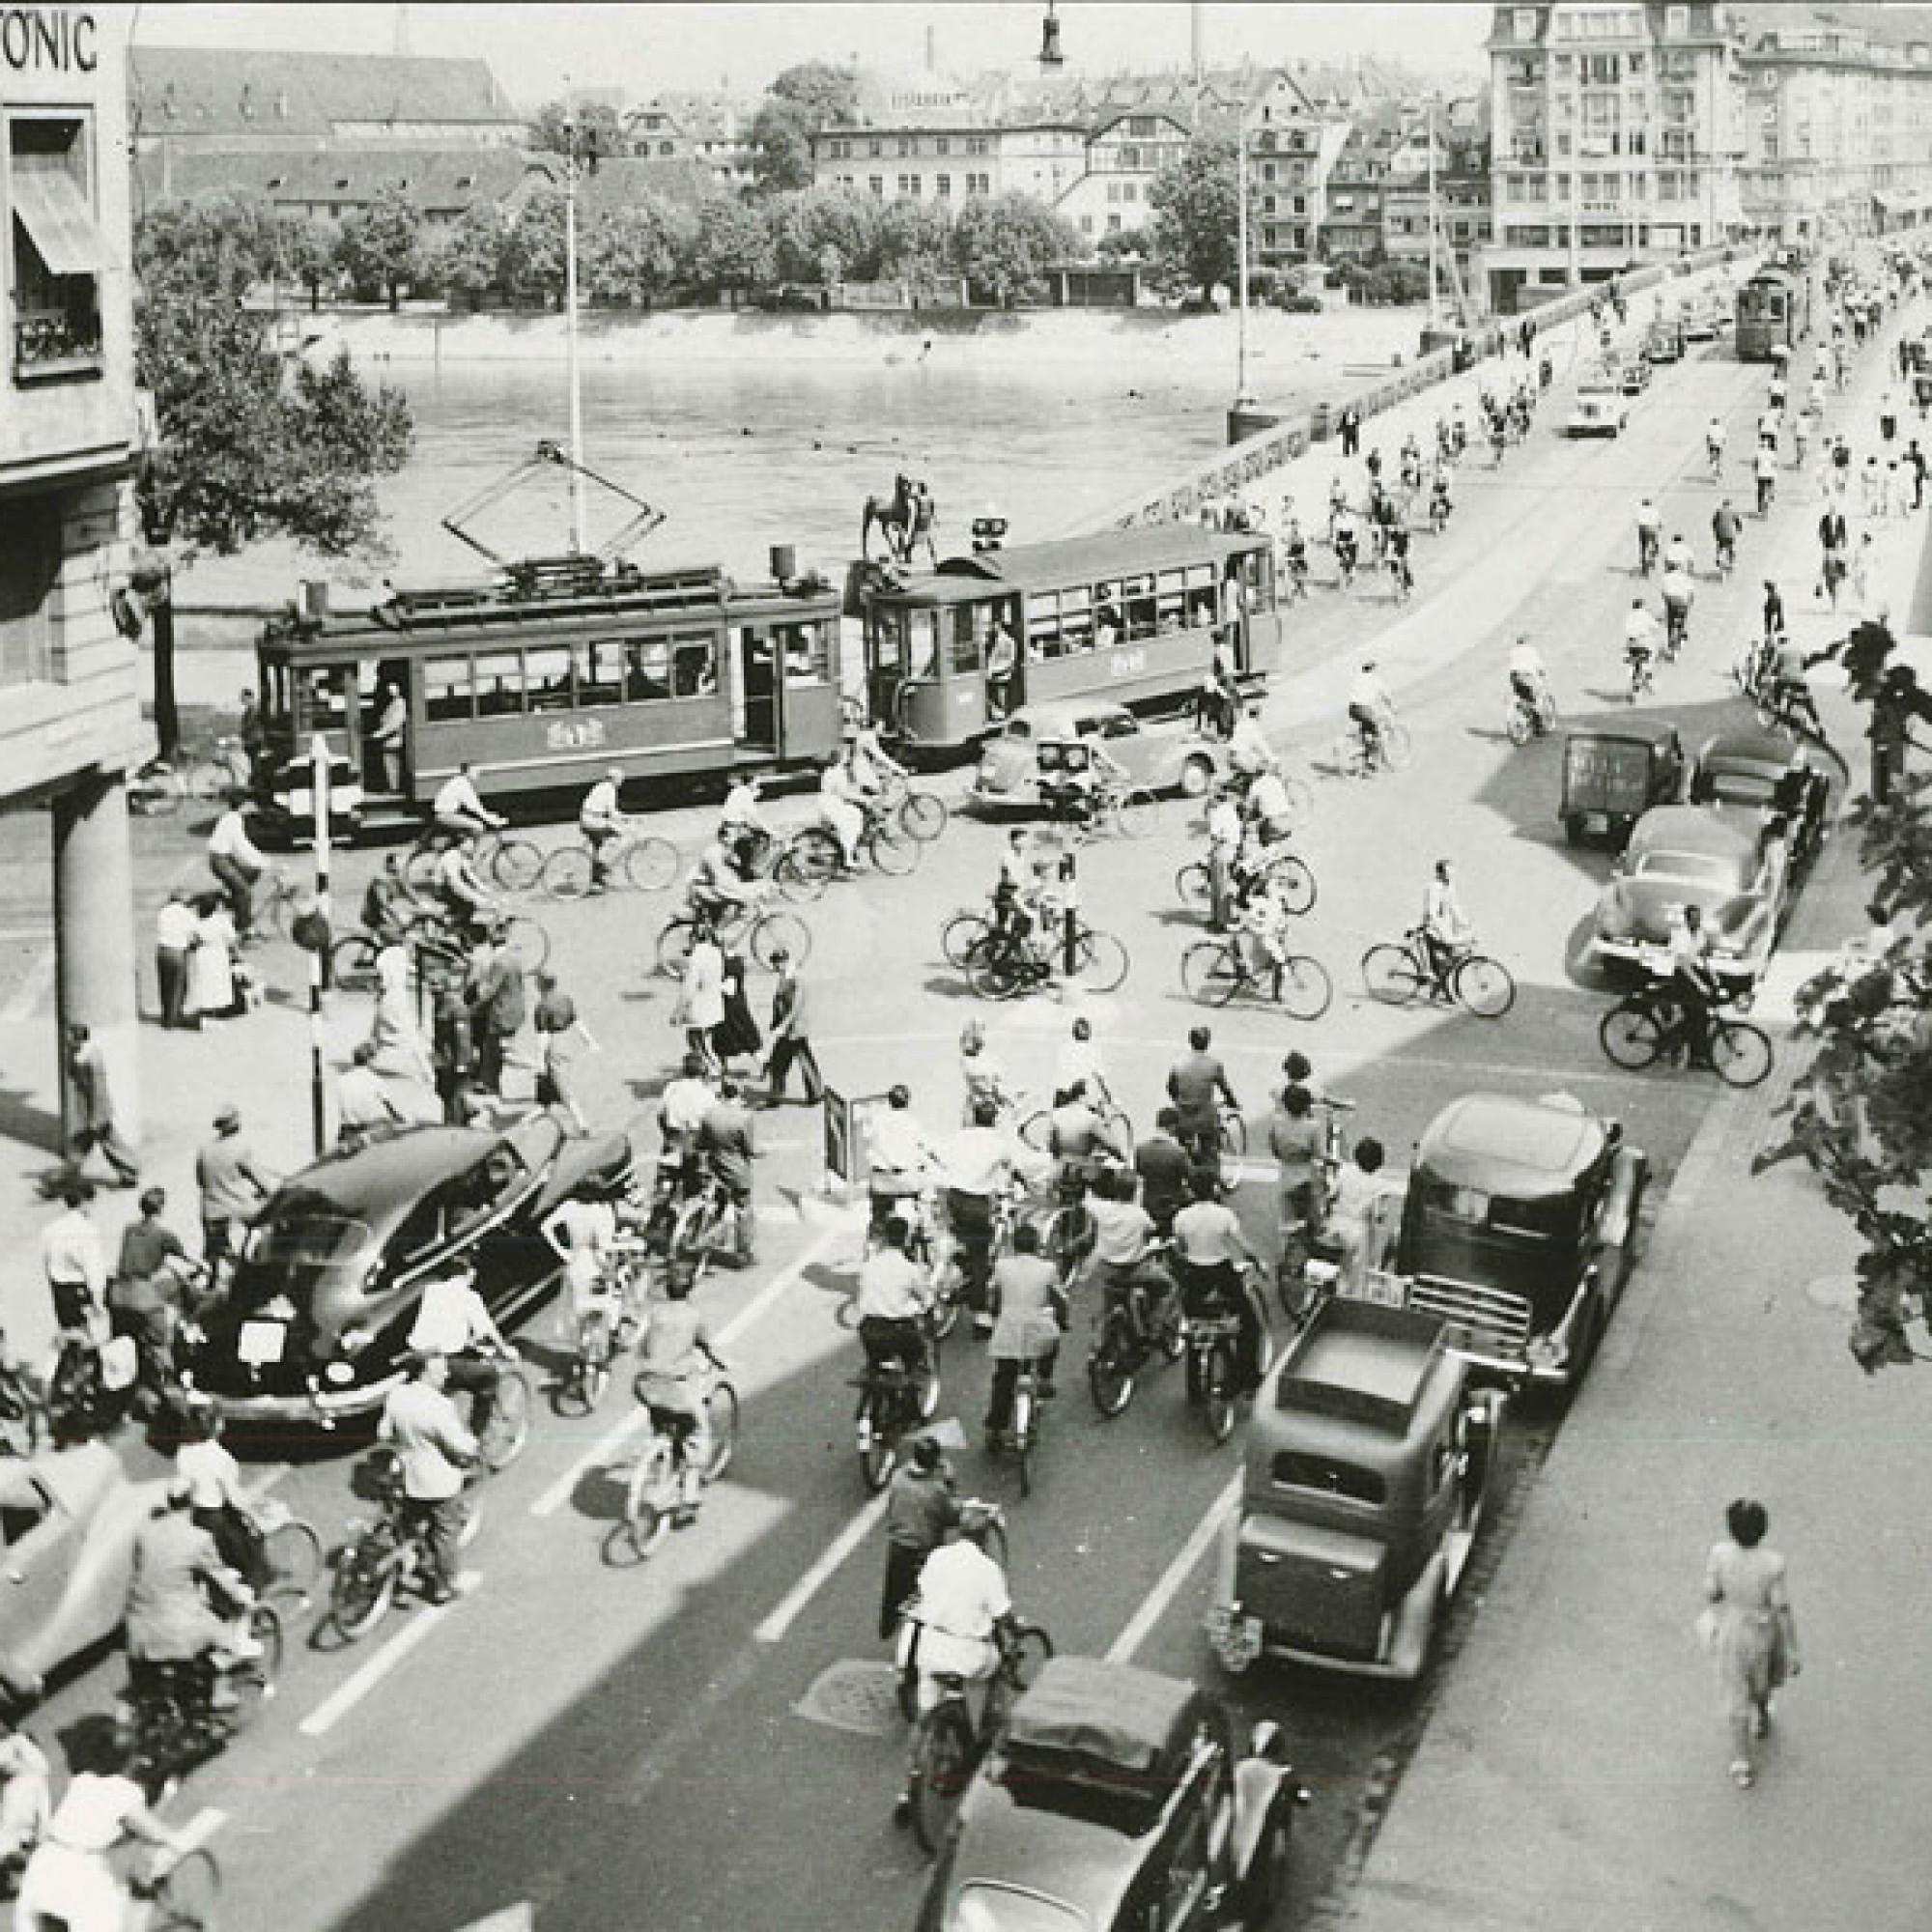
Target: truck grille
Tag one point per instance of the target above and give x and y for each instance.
(1488, 1317)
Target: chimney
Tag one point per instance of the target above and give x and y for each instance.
(931, 49)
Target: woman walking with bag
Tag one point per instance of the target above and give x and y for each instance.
(1748, 1629)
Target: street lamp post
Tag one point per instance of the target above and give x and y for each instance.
(570, 172)
(1429, 135)
(1242, 400)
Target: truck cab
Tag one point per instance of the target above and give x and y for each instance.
(1364, 1472)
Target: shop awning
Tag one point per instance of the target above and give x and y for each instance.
(58, 222)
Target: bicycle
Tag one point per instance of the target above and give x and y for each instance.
(176, 1894)
(1647, 546)
(1642, 673)
(1400, 972)
(384, 1557)
(435, 930)
(948, 1745)
(505, 1430)
(1290, 875)
(639, 861)
(893, 1399)
(1355, 754)
(1524, 720)
(510, 864)
(1005, 966)
(1143, 1327)
(814, 855)
(760, 931)
(702, 1224)
(1020, 1439)
(1211, 1341)
(920, 813)
(167, 1716)
(1215, 971)
(1108, 811)
(654, 1488)
(1676, 629)
(1653, 1023)
(603, 1334)
(1301, 1241)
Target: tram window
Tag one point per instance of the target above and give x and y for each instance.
(1138, 595)
(1171, 599)
(546, 677)
(969, 633)
(887, 639)
(600, 672)
(1258, 571)
(1043, 628)
(647, 672)
(921, 644)
(500, 683)
(445, 689)
(807, 653)
(323, 700)
(1076, 621)
(693, 667)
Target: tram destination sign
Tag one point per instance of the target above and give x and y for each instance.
(48, 40)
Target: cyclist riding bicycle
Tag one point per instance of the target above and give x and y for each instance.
(1446, 932)
(183, 1600)
(718, 893)
(1348, 552)
(1269, 811)
(1211, 1253)
(459, 808)
(1713, 442)
(1639, 641)
(1080, 1142)
(462, 894)
(603, 823)
(1261, 929)
(891, 1299)
(1726, 527)
(1677, 554)
(1370, 708)
(1648, 524)
(1295, 555)
(741, 826)
(1693, 980)
(1015, 892)
(976, 1165)
(1678, 592)
(1248, 752)
(1123, 1236)
(453, 1321)
(583, 1233)
(844, 795)
(982, 1075)
(1529, 681)
(676, 1368)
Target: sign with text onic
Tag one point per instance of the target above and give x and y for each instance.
(48, 40)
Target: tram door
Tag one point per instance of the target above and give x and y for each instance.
(755, 708)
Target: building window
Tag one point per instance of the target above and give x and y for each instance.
(1525, 23)
(29, 565)
(942, 187)
(1676, 21)
(58, 255)
(907, 144)
(1143, 127)
(978, 144)
(876, 147)
(909, 186)
(877, 184)
(942, 145)
(1086, 224)
(978, 184)
(1113, 224)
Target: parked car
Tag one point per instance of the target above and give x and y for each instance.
(1364, 1478)
(1118, 1800)
(319, 1307)
(1633, 375)
(1664, 340)
(1738, 877)
(69, 1519)
(1598, 411)
(1758, 776)
(1611, 779)
(1036, 737)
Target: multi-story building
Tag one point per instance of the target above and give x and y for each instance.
(69, 716)
(1292, 150)
(1352, 221)
(1458, 132)
(1125, 150)
(947, 154)
(711, 129)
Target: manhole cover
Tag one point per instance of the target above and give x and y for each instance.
(854, 1696)
(1839, 1293)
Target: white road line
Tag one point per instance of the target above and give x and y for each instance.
(793, 1601)
(28, 994)
(1153, 1606)
(604, 1451)
(345, 1697)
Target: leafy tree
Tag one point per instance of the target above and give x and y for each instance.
(224, 246)
(307, 253)
(248, 443)
(1196, 204)
(914, 244)
(1860, 1114)
(1004, 245)
(596, 130)
(630, 254)
(734, 246)
(381, 243)
(830, 235)
(1123, 242)
(531, 263)
(802, 101)
(469, 256)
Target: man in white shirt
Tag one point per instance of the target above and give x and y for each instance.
(741, 824)
(457, 886)
(1445, 927)
(901, 1154)
(174, 936)
(235, 858)
(458, 806)
(841, 794)
(975, 1164)
(1078, 1068)
(452, 1320)
(1211, 1252)
(891, 1300)
(74, 1261)
(425, 1429)
(684, 1104)
(1639, 632)
(601, 820)
(1248, 751)
(1270, 808)
(1678, 589)
(363, 1108)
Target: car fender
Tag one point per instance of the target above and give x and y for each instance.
(1616, 1224)
(1415, 1616)
(1258, 1796)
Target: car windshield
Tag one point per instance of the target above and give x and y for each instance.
(302, 1245)
(1697, 868)
(1742, 787)
(998, 1908)
(1083, 1788)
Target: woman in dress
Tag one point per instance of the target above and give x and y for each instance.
(211, 963)
(736, 1036)
(1752, 1636)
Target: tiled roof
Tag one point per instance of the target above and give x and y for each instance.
(438, 181)
(213, 92)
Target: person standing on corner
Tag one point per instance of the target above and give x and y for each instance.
(94, 1103)
(174, 939)
(791, 1036)
(1754, 1639)
(74, 1261)
(728, 1149)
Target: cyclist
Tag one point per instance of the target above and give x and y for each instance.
(718, 892)
(1446, 931)
(1370, 708)
(1764, 469)
(981, 1074)
(1197, 1084)
(1639, 646)
(1677, 554)
(891, 1298)
(1296, 1140)
(1395, 554)
(214, 1493)
(465, 898)
(1227, 834)
(1678, 592)
(1029, 1313)
(873, 765)
(1647, 526)
(1248, 751)
(921, 1507)
(1347, 554)
(1441, 499)
(741, 825)
(1529, 681)
(676, 1367)
(1726, 527)
(962, 1604)
(459, 808)
(583, 1233)
(1015, 894)
(453, 1321)
(1210, 1255)
(1791, 689)
(387, 902)
(1693, 980)
(1771, 421)
(1713, 444)
(182, 1599)
(975, 1165)
(902, 1157)
(1123, 1233)
(1261, 929)
(602, 823)
(1079, 1141)
(237, 863)
(1294, 556)
(1078, 1068)
(843, 796)
(1270, 812)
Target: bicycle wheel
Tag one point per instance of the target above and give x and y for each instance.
(1305, 988)
(1398, 749)
(1740, 1052)
(1068, 1233)
(922, 814)
(1632, 1036)
(1294, 883)
(1100, 962)
(566, 873)
(351, 963)
(1389, 973)
(292, 1557)
(587, 1374)
(1217, 1391)
(155, 792)
(771, 930)
(959, 935)
(649, 865)
(1025, 1436)
(877, 1451)
(1109, 1374)
(1231, 1131)
(720, 1409)
(894, 850)
(674, 948)
(507, 1432)
(527, 943)
(419, 868)
(994, 972)
(1518, 723)
(516, 865)
(650, 1498)
(1484, 985)
(1194, 885)
(254, 1681)
(1210, 971)
(799, 875)
(363, 1583)
(942, 1768)
(185, 1895)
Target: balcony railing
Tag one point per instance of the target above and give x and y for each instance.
(53, 343)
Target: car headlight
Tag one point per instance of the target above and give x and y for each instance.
(352, 1341)
(339, 1375)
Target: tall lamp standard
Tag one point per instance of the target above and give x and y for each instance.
(1242, 400)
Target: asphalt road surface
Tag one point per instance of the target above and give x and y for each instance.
(703, 1743)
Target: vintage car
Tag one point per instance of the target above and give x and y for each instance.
(1663, 341)
(1117, 1800)
(69, 1519)
(1759, 775)
(1367, 1463)
(1036, 737)
(1732, 868)
(1611, 779)
(319, 1306)
(1633, 375)
(1599, 410)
